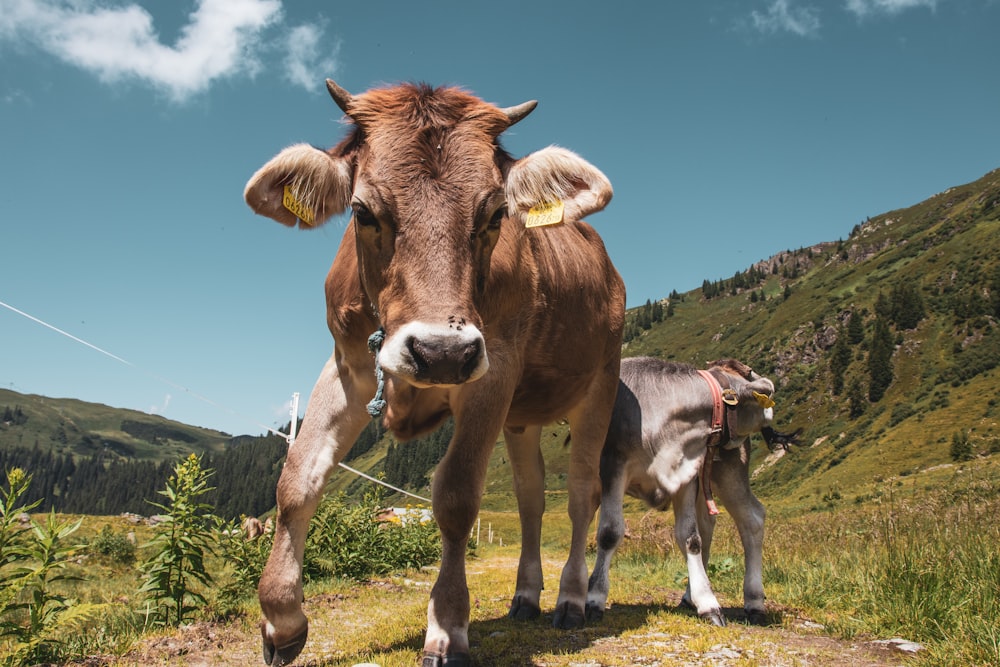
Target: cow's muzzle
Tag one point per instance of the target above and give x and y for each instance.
(434, 355)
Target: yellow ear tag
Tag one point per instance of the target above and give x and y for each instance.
(547, 213)
(764, 400)
(300, 210)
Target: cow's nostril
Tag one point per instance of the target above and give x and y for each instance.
(470, 358)
(422, 354)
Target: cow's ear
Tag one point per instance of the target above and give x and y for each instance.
(554, 175)
(301, 185)
(758, 386)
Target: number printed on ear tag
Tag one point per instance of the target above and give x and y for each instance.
(548, 213)
(300, 210)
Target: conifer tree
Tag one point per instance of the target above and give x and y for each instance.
(880, 360)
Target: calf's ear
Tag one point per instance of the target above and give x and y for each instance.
(749, 391)
(300, 185)
(554, 175)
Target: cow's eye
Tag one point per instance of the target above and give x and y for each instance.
(364, 216)
(498, 217)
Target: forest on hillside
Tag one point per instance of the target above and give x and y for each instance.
(244, 476)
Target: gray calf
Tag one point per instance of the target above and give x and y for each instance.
(666, 419)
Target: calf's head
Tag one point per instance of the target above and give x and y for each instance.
(431, 193)
(752, 394)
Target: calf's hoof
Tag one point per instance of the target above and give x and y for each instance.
(450, 660)
(714, 617)
(594, 613)
(523, 610)
(568, 617)
(276, 656)
(756, 617)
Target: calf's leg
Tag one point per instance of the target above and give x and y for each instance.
(690, 544)
(334, 419)
(706, 529)
(732, 482)
(524, 451)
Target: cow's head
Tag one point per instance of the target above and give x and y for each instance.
(430, 190)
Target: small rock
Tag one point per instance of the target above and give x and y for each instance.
(900, 644)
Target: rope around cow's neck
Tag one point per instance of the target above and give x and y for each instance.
(377, 404)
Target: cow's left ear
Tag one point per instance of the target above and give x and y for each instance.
(554, 175)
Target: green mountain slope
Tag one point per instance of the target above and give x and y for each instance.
(929, 276)
(78, 428)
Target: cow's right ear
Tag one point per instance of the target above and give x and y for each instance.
(301, 185)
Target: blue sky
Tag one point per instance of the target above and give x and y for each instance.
(729, 129)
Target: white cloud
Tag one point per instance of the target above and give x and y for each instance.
(305, 63)
(221, 39)
(782, 16)
(864, 8)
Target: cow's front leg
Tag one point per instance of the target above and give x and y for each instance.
(528, 468)
(733, 486)
(334, 419)
(589, 425)
(457, 491)
(699, 591)
(610, 531)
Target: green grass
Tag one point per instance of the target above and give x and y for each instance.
(919, 561)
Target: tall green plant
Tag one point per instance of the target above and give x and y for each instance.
(33, 557)
(180, 544)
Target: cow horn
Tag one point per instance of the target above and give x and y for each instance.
(340, 96)
(514, 114)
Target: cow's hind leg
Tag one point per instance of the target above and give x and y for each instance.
(689, 541)
(529, 487)
(610, 531)
(589, 425)
(334, 419)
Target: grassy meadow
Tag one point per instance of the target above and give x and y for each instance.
(918, 561)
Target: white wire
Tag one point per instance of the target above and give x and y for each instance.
(286, 436)
(388, 486)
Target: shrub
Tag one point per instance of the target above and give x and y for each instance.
(961, 447)
(113, 546)
(351, 542)
(247, 559)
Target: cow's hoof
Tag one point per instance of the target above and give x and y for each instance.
(756, 617)
(714, 617)
(594, 613)
(450, 660)
(568, 617)
(276, 656)
(522, 610)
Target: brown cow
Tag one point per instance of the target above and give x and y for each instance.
(504, 326)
